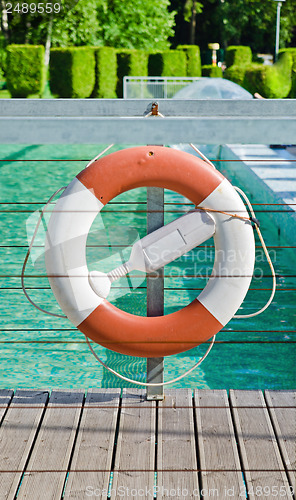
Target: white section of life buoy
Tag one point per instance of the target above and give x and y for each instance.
(234, 254)
(65, 251)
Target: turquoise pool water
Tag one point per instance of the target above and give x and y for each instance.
(42, 351)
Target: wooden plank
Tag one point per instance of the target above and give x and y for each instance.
(17, 434)
(53, 447)
(217, 446)
(94, 445)
(5, 398)
(135, 451)
(284, 423)
(176, 451)
(260, 455)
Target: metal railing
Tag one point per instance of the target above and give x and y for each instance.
(120, 121)
(154, 87)
(90, 121)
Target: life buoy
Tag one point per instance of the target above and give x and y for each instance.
(71, 221)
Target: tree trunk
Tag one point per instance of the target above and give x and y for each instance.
(193, 23)
(48, 42)
(4, 21)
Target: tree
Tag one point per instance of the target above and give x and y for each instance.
(191, 9)
(117, 23)
(136, 24)
(70, 26)
(247, 22)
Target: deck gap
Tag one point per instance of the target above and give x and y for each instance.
(199, 474)
(65, 483)
(73, 447)
(6, 409)
(238, 445)
(269, 410)
(245, 485)
(156, 447)
(115, 446)
(32, 446)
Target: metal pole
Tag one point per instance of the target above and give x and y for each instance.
(277, 34)
(155, 291)
(155, 288)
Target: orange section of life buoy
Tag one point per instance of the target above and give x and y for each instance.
(160, 167)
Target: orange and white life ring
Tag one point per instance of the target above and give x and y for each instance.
(71, 221)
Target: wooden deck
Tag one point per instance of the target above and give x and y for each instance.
(202, 445)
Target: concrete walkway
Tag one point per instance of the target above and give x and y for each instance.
(275, 167)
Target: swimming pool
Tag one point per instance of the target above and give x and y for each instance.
(41, 351)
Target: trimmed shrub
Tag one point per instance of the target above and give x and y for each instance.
(212, 71)
(238, 55)
(106, 73)
(192, 58)
(168, 63)
(272, 82)
(236, 74)
(2, 78)
(72, 71)
(292, 51)
(25, 70)
(130, 62)
(3, 55)
(293, 86)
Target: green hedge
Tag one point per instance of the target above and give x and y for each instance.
(272, 82)
(3, 55)
(293, 86)
(106, 73)
(72, 71)
(212, 71)
(25, 73)
(236, 74)
(192, 58)
(292, 51)
(130, 62)
(167, 63)
(238, 55)
(2, 77)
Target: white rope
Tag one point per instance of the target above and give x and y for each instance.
(127, 379)
(150, 114)
(99, 155)
(240, 316)
(34, 236)
(87, 340)
(28, 254)
(202, 155)
(147, 384)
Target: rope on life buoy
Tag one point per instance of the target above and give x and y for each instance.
(252, 219)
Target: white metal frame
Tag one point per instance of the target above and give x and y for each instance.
(90, 121)
(155, 85)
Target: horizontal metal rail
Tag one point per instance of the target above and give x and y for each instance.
(86, 121)
(136, 107)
